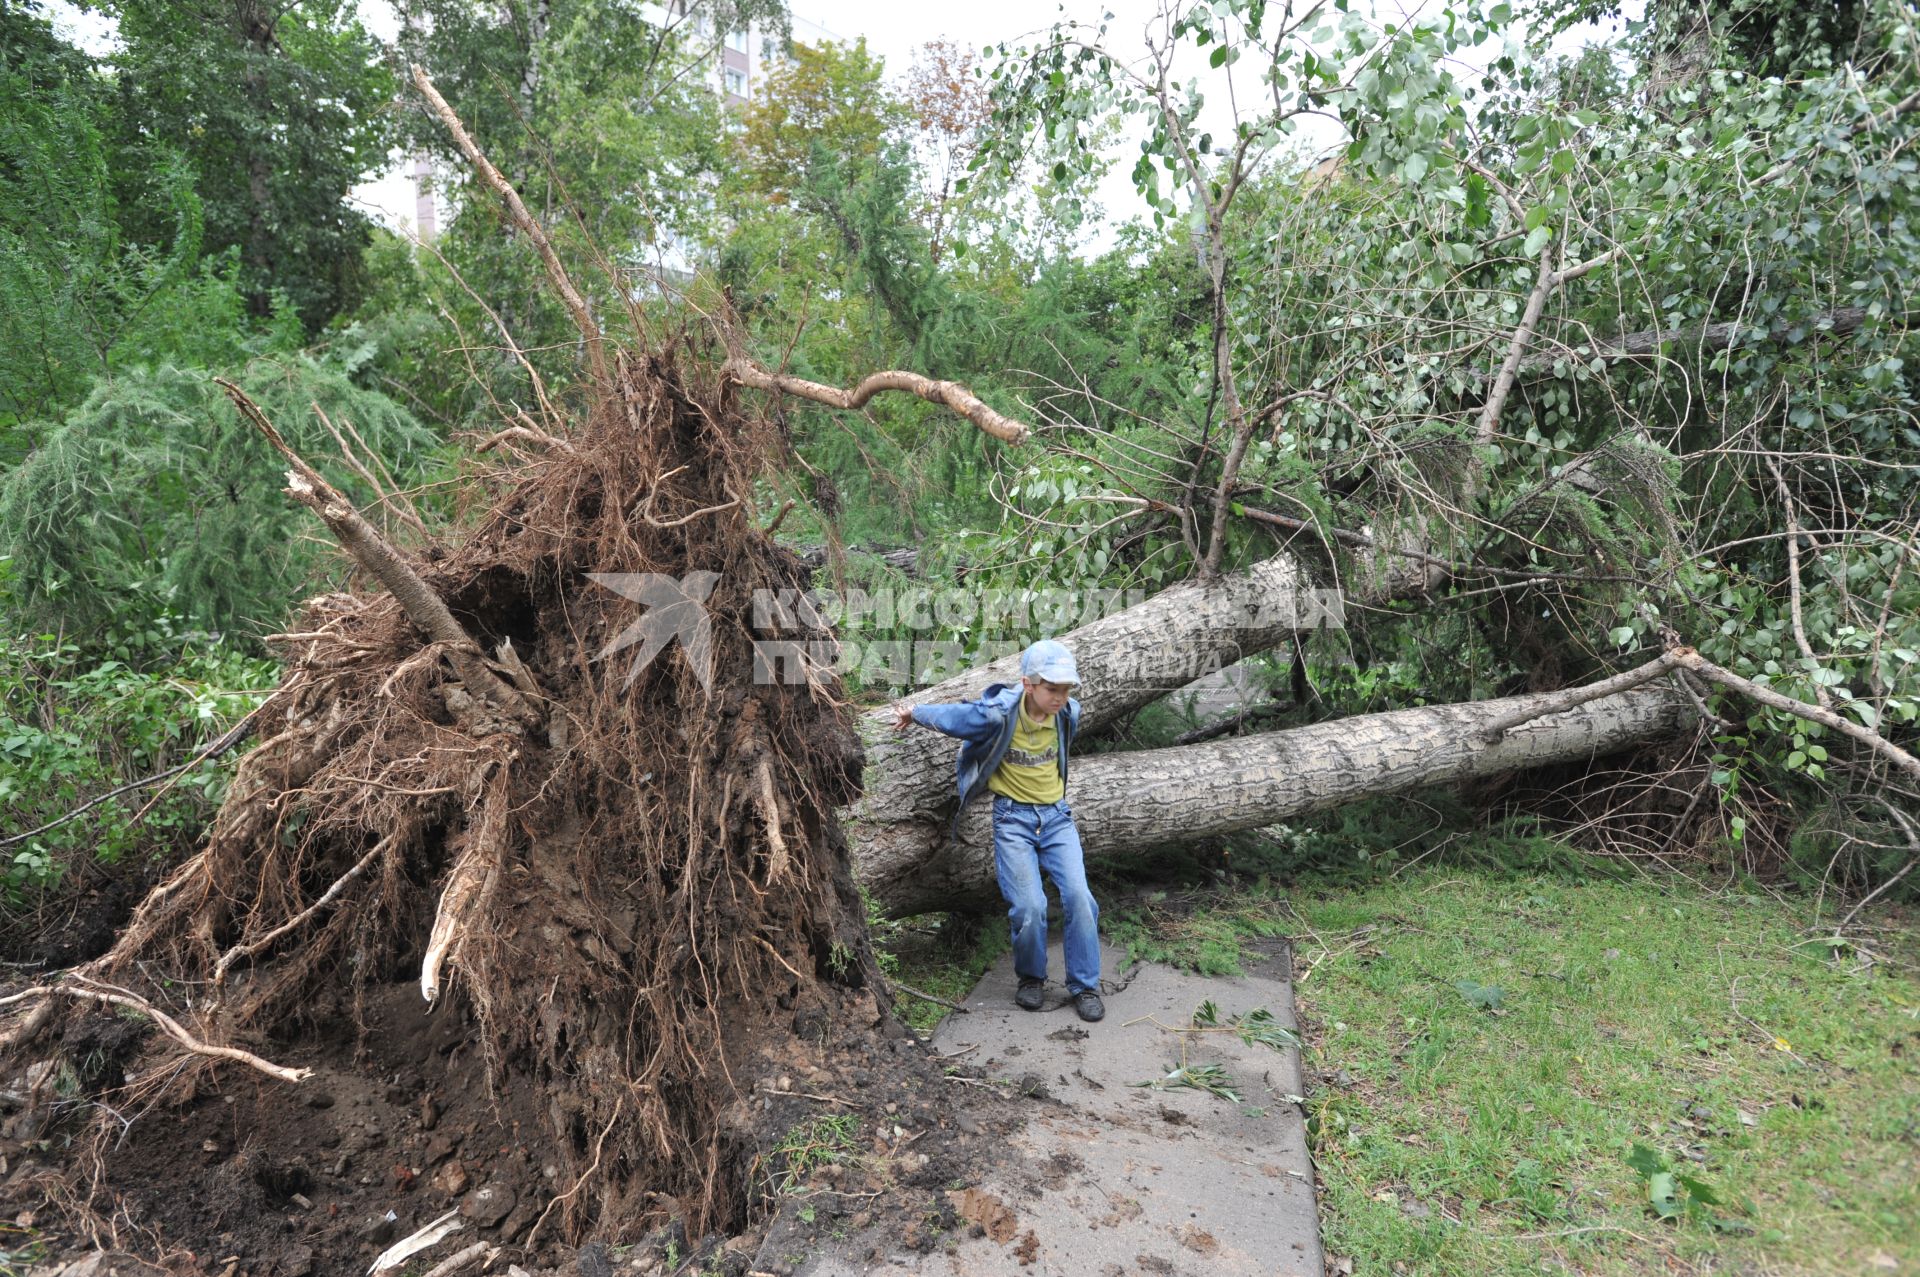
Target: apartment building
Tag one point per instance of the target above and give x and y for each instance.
(746, 57)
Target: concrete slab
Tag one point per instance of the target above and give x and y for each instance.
(1111, 1177)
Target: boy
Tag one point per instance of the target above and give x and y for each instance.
(1015, 747)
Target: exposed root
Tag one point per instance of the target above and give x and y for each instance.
(476, 868)
(778, 864)
(261, 943)
(452, 789)
(86, 991)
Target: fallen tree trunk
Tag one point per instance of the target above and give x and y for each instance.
(1130, 802)
(1126, 660)
(1130, 658)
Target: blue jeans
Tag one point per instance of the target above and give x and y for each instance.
(1027, 840)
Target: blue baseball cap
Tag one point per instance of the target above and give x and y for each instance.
(1050, 662)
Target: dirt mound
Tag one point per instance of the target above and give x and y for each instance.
(622, 878)
(395, 1130)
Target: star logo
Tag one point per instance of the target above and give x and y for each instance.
(677, 610)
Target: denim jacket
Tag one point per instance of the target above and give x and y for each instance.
(985, 728)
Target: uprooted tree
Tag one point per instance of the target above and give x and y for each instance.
(642, 887)
(628, 869)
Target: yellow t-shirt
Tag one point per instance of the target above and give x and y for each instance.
(1030, 773)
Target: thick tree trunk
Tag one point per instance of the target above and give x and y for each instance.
(1125, 659)
(1129, 802)
(1129, 658)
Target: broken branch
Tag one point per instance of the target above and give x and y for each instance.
(949, 394)
(569, 295)
(425, 608)
(1687, 658)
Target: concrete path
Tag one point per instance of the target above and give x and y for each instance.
(1111, 1178)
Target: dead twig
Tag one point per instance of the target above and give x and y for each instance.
(569, 295)
(327, 897)
(928, 997)
(226, 741)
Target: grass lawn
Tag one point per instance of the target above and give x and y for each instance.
(1488, 1050)
(1494, 1047)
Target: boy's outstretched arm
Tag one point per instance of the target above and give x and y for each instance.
(968, 720)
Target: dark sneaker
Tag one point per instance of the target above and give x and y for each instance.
(1030, 994)
(1087, 1003)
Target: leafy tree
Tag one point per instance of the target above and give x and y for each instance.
(948, 99)
(79, 298)
(826, 101)
(279, 110)
(1607, 370)
(600, 113)
(1789, 38)
(155, 487)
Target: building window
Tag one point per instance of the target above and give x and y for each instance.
(737, 41)
(736, 84)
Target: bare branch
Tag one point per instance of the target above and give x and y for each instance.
(1650, 343)
(569, 295)
(949, 394)
(425, 608)
(292, 924)
(1688, 658)
(1793, 582)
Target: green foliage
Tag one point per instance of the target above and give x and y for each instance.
(143, 695)
(602, 118)
(1165, 926)
(155, 485)
(1674, 1194)
(1488, 997)
(80, 298)
(1771, 37)
(827, 103)
(1257, 1027)
(1211, 1078)
(826, 1138)
(279, 110)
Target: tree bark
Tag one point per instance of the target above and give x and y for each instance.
(1130, 658)
(1130, 802)
(1125, 660)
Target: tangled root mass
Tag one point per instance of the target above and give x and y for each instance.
(636, 885)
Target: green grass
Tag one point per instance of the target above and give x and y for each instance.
(829, 1137)
(1486, 1049)
(1506, 1041)
(944, 955)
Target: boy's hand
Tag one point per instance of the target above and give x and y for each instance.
(902, 716)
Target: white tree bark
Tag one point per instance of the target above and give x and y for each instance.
(1129, 802)
(1125, 660)
(1130, 658)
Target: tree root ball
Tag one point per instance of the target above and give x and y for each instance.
(622, 878)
